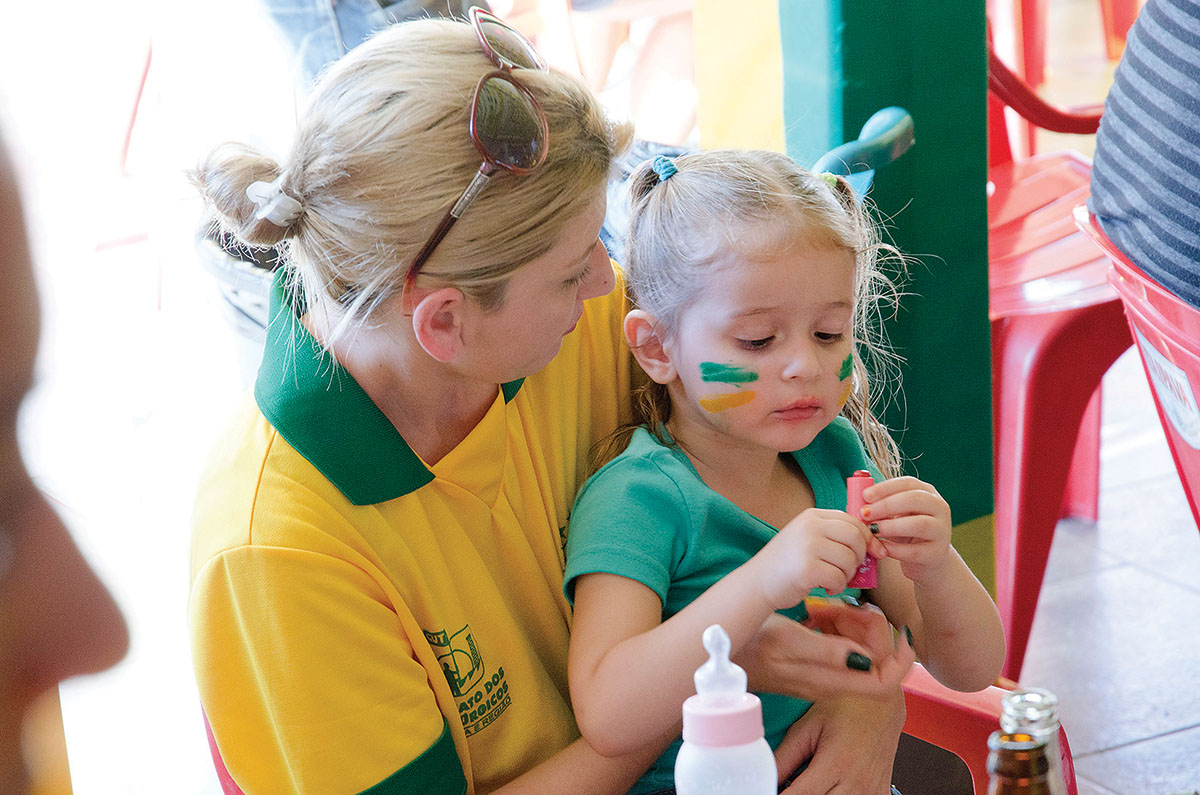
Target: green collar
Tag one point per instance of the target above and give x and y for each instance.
(326, 416)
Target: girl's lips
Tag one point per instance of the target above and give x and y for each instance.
(801, 410)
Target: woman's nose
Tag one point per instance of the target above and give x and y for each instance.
(600, 279)
(76, 627)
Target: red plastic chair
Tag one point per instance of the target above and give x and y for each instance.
(1029, 26)
(1167, 332)
(961, 723)
(1057, 327)
(228, 785)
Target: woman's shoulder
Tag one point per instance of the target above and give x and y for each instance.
(256, 489)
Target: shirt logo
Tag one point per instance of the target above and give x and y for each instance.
(481, 699)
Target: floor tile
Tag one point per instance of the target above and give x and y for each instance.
(1119, 650)
(1166, 764)
(1076, 553)
(1089, 787)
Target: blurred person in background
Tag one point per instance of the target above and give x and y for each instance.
(57, 620)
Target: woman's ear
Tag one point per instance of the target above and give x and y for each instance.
(438, 323)
(645, 338)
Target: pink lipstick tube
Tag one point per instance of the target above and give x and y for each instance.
(867, 575)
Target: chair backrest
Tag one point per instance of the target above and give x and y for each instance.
(1167, 332)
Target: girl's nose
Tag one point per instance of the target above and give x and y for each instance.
(804, 361)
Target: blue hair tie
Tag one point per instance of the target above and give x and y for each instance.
(664, 167)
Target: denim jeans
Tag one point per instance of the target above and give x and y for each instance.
(321, 31)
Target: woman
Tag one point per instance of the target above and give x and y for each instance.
(377, 560)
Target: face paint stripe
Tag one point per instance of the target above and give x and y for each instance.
(844, 396)
(718, 403)
(847, 368)
(726, 373)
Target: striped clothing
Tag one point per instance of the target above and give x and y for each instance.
(1146, 174)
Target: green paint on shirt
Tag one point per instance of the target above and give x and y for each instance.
(726, 373)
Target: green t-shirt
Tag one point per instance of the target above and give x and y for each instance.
(648, 516)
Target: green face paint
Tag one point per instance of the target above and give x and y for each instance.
(847, 368)
(726, 373)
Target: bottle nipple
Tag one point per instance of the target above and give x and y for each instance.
(719, 680)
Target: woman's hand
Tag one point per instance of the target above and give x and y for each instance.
(792, 659)
(914, 525)
(820, 548)
(850, 745)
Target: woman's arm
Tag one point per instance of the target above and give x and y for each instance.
(924, 585)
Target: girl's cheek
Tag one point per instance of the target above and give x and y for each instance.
(732, 375)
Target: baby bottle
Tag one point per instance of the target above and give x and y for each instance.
(723, 751)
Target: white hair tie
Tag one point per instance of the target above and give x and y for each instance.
(273, 204)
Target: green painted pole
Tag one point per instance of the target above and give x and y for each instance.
(842, 61)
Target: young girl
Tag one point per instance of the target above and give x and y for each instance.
(753, 281)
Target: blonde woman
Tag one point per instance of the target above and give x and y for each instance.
(377, 559)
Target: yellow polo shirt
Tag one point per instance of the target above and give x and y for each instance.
(361, 622)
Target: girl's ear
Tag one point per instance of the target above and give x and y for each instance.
(438, 323)
(644, 335)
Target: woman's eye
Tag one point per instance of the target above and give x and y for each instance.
(830, 336)
(755, 345)
(575, 281)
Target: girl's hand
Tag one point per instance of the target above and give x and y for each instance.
(850, 744)
(914, 525)
(820, 548)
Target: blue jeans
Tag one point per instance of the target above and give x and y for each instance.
(321, 31)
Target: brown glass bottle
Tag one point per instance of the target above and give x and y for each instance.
(1017, 765)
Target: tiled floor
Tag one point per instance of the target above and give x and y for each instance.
(138, 368)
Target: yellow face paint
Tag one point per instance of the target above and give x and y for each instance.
(719, 403)
(844, 396)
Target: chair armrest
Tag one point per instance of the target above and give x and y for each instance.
(1013, 92)
(962, 722)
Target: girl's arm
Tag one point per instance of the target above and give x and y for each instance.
(925, 586)
(578, 769)
(630, 673)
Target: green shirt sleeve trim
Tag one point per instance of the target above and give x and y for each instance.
(436, 771)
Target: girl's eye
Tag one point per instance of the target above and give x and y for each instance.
(755, 345)
(829, 336)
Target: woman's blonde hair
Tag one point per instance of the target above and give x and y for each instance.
(681, 225)
(380, 154)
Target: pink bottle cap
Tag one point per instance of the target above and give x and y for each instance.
(721, 713)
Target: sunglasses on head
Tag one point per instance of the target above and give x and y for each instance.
(507, 125)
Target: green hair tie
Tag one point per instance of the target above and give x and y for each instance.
(830, 179)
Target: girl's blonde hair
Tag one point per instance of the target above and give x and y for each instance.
(380, 154)
(679, 226)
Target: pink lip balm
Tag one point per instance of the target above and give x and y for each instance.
(867, 575)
